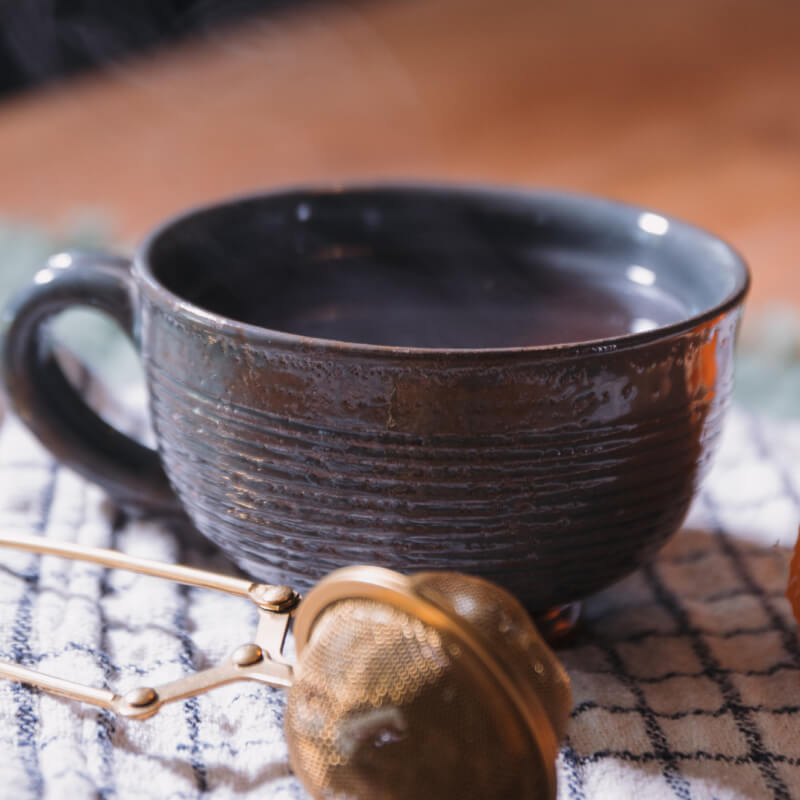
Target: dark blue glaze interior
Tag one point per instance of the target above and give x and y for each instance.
(444, 267)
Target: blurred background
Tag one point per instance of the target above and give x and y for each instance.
(114, 115)
(134, 110)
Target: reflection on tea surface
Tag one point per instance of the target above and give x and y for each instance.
(360, 300)
(429, 270)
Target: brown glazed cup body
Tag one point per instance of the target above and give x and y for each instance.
(553, 470)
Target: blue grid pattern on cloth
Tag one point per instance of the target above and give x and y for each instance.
(686, 674)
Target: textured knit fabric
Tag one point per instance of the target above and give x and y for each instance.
(686, 675)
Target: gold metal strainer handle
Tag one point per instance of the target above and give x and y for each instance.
(260, 660)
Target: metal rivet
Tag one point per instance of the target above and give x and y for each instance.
(273, 597)
(247, 654)
(142, 696)
(538, 668)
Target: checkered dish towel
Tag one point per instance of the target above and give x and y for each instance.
(686, 675)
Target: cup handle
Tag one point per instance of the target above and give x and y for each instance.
(48, 404)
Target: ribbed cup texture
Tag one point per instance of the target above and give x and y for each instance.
(553, 476)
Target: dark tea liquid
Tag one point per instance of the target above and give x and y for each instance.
(426, 278)
(434, 269)
(583, 314)
(548, 305)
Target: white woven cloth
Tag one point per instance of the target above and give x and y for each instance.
(686, 675)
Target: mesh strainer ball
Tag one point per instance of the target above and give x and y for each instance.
(431, 686)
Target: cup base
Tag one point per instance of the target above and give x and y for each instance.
(559, 624)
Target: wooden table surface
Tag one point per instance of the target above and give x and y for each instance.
(691, 107)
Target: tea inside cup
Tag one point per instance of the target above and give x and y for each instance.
(430, 270)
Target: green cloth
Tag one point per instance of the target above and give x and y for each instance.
(23, 250)
(768, 362)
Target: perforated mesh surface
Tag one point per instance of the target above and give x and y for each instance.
(386, 707)
(511, 634)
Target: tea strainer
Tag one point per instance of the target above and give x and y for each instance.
(433, 685)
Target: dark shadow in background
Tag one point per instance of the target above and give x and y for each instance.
(43, 40)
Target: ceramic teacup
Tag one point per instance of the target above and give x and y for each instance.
(522, 385)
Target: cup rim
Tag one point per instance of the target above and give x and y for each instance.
(256, 334)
